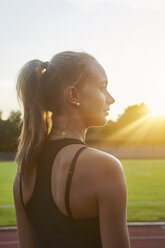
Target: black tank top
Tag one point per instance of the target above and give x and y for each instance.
(50, 227)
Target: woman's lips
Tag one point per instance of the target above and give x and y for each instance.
(106, 111)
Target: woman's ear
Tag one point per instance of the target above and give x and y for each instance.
(72, 94)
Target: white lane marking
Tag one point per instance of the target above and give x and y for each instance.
(149, 223)
(8, 243)
(147, 237)
(2, 243)
(132, 238)
(128, 203)
(145, 202)
(6, 206)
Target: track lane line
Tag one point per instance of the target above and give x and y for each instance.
(147, 237)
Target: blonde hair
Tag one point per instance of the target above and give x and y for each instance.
(40, 89)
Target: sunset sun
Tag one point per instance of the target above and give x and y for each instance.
(157, 110)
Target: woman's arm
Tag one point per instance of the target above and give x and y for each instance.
(23, 227)
(111, 197)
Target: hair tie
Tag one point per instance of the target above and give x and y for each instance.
(44, 67)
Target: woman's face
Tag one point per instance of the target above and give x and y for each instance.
(95, 100)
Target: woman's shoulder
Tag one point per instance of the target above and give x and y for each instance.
(106, 174)
(101, 165)
(100, 159)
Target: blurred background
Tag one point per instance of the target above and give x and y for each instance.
(127, 37)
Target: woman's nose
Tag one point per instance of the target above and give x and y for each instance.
(110, 99)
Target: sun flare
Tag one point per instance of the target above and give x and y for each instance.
(157, 112)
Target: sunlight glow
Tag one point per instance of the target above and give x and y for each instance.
(137, 130)
(157, 112)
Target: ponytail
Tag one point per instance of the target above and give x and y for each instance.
(36, 121)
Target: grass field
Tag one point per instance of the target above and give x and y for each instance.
(145, 182)
(146, 189)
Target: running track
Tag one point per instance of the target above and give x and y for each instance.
(141, 237)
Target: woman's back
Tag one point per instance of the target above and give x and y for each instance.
(96, 207)
(51, 224)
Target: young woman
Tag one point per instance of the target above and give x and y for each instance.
(67, 194)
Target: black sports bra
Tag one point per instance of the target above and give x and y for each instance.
(50, 227)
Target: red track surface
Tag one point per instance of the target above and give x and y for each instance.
(141, 237)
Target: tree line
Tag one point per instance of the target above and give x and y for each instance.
(135, 126)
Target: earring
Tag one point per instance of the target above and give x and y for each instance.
(78, 104)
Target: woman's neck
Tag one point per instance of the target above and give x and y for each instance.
(64, 127)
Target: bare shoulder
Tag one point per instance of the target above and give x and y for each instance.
(103, 163)
(109, 173)
(104, 171)
(101, 155)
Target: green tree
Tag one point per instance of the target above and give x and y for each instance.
(10, 131)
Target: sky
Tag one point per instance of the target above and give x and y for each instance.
(127, 37)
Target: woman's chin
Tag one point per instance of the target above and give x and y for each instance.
(104, 122)
(100, 122)
(96, 120)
